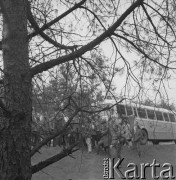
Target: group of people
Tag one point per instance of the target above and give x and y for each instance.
(124, 133)
(111, 135)
(115, 133)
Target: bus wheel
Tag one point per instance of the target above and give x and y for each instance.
(144, 138)
(155, 142)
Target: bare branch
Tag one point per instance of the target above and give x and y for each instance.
(35, 149)
(41, 165)
(104, 108)
(46, 26)
(167, 22)
(141, 51)
(149, 18)
(47, 65)
(42, 34)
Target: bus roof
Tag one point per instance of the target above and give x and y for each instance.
(137, 105)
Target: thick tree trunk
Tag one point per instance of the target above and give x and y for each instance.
(15, 136)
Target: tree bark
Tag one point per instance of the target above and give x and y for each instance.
(15, 135)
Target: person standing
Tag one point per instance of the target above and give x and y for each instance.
(87, 136)
(89, 144)
(104, 140)
(115, 125)
(126, 133)
(137, 138)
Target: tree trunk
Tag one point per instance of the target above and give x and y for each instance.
(15, 135)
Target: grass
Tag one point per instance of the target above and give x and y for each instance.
(85, 166)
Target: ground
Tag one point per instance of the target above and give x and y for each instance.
(85, 166)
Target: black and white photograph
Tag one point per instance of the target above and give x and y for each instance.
(87, 89)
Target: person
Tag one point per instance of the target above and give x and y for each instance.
(89, 144)
(93, 135)
(137, 138)
(87, 136)
(104, 140)
(115, 125)
(126, 133)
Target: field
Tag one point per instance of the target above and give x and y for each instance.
(85, 166)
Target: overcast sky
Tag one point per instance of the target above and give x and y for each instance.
(119, 81)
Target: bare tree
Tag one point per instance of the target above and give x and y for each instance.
(40, 35)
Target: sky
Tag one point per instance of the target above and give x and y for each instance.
(119, 80)
(169, 94)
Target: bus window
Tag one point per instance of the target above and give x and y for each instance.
(141, 113)
(121, 109)
(159, 116)
(166, 116)
(129, 110)
(172, 118)
(151, 114)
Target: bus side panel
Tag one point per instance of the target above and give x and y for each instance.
(173, 130)
(163, 130)
(149, 125)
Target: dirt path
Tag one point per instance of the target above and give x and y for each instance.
(90, 166)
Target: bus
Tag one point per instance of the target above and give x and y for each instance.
(157, 124)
